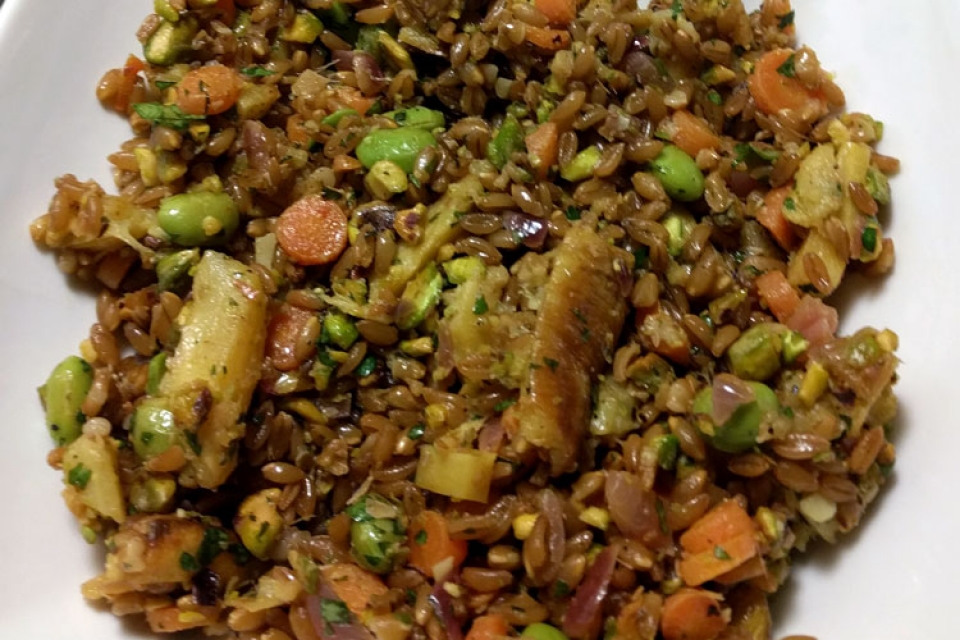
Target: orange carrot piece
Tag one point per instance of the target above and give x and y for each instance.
(431, 544)
(129, 73)
(283, 334)
(777, 294)
(543, 144)
(692, 614)
(489, 627)
(693, 134)
(548, 39)
(770, 215)
(774, 90)
(725, 521)
(353, 585)
(297, 133)
(697, 568)
(558, 12)
(312, 231)
(208, 90)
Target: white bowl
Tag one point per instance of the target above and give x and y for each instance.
(893, 578)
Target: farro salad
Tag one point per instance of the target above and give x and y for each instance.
(441, 320)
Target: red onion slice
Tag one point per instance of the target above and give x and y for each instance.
(729, 392)
(585, 613)
(530, 231)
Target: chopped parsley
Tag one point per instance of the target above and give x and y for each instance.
(421, 537)
(164, 84)
(256, 72)
(714, 97)
(787, 68)
(165, 115)
(786, 20)
(480, 305)
(641, 257)
(720, 553)
(790, 204)
(662, 516)
(188, 562)
(416, 431)
(676, 9)
(79, 476)
(367, 366)
(572, 213)
(214, 541)
(503, 405)
(333, 612)
(191, 437)
(869, 239)
(550, 362)
(560, 589)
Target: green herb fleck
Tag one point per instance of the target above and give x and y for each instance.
(714, 97)
(503, 405)
(191, 437)
(367, 366)
(869, 239)
(790, 204)
(162, 85)
(572, 213)
(214, 541)
(641, 256)
(560, 589)
(786, 411)
(421, 537)
(256, 72)
(787, 68)
(416, 431)
(334, 611)
(662, 516)
(79, 476)
(188, 562)
(480, 306)
(165, 115)
(550, 362)
(720, 553)
(676, 9)
(786, 20)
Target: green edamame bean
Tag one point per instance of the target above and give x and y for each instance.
(418, 118)
(678, 173)
(509, 139)
(153, 430)
(375, 543)
(198, 218)
(63, 395)
(400, 146)
(543, 631)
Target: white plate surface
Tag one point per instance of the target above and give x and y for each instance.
(894, 579)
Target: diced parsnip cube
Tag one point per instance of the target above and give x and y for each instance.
(817, 194)
(90, 465)
(462, 474)
(816, 244)
(442, 227)
(216, 363)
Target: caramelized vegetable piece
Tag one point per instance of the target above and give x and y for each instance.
(580, 318)
(211, 376)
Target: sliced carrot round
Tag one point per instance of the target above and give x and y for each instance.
(558, 12)
(312, 231)
(208, 90)
(772, 86)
